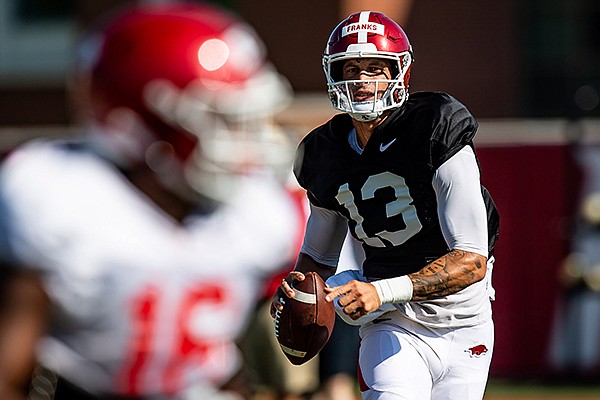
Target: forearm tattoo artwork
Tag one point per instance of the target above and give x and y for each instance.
(447, 275)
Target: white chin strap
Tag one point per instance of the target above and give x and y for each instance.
(365, 117)
(365, 111)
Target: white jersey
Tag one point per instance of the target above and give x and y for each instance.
(143, 304)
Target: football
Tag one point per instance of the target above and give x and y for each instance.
(305, 324)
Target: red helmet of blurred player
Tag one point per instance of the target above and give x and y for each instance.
(185, 89)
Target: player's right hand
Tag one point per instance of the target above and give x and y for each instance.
(285, 289)
(356, 298)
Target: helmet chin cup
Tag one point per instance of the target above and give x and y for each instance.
(366, 111)
(365, 117)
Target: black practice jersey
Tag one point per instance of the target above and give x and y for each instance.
(386, 193)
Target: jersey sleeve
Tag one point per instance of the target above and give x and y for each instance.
(302, 171)
(324, 236)
(24, 215)
(461, 208)
(299, 161)
(455, 128)
(315, 154)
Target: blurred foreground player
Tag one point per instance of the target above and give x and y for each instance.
(400, 172)
(137, 252)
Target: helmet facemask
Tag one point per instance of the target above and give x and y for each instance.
(234, 127)
(390, 93)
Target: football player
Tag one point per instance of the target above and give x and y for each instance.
(138, 251)
(400, 171)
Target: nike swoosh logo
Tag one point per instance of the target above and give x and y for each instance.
(383, 147)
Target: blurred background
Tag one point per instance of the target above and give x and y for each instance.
(528, 70)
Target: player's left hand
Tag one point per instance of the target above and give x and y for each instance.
(285, 289)
(357, 298)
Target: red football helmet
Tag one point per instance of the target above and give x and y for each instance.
(367, 34)
(187, 89)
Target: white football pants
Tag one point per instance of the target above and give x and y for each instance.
(402, 360)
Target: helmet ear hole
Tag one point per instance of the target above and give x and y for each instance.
(407, 76)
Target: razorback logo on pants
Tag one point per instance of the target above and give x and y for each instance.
(477, 351)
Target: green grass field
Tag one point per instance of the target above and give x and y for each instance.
(504, 390)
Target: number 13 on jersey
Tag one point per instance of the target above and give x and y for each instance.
(402, 205)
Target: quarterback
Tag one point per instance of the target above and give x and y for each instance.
(400, 172)
(138, 251)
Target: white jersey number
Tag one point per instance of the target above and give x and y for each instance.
(402, 205)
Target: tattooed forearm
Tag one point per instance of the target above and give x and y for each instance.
(448, 274)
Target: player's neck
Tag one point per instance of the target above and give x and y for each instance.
(364, 130)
